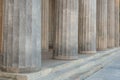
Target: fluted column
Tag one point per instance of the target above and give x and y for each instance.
(51, 23)
(22, 35)
(87, 26)
(117, 29)
(45, 26)
(101, 24)
(111, 24)
(66, 41)
(1, 8)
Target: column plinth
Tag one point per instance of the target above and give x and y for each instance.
(22, 36)
(87, 26)
(66, 41)
(101, 24)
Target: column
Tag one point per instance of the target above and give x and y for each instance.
(1, 8)
(51, 23)
(66, 35)
(117, 30)
(101, 24)
(87, 26)
(45, 26)
(111, 24)
(22, 36)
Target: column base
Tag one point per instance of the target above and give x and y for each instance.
(45, 50)
(66, 57)
(87, 52)
(19, 70)
(117, 46)
(111, 47)
(47, 54)
(102, 49)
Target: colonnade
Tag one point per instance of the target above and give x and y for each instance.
(71, 27)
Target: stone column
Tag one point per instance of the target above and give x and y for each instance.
(111, 24)
(45, 26)
(87, 26)
(101, 24)
(66, 41)
(52, 23)
(117, 31)
(22, 35)
(1, 8)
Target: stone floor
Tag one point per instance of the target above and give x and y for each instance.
(70, 69)
(110, 72)
(50, 63)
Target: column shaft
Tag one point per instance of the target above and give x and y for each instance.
(87, 26)
(45, 26)
(66, 41)
(117, 29)
(111, 24)
(1, 8)
(101, 24)
(52, 23)
(22, 35)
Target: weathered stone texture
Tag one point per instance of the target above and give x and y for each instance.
(45, 26)
(66, 39)
(51, 23)
(22, 35)
(1, 8)
(111, 24)
(87, 26)
(101, 24)
(117, 29)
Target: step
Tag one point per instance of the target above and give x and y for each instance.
(5, 79)
(94, 69)
(57, 71)
(82, 67)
